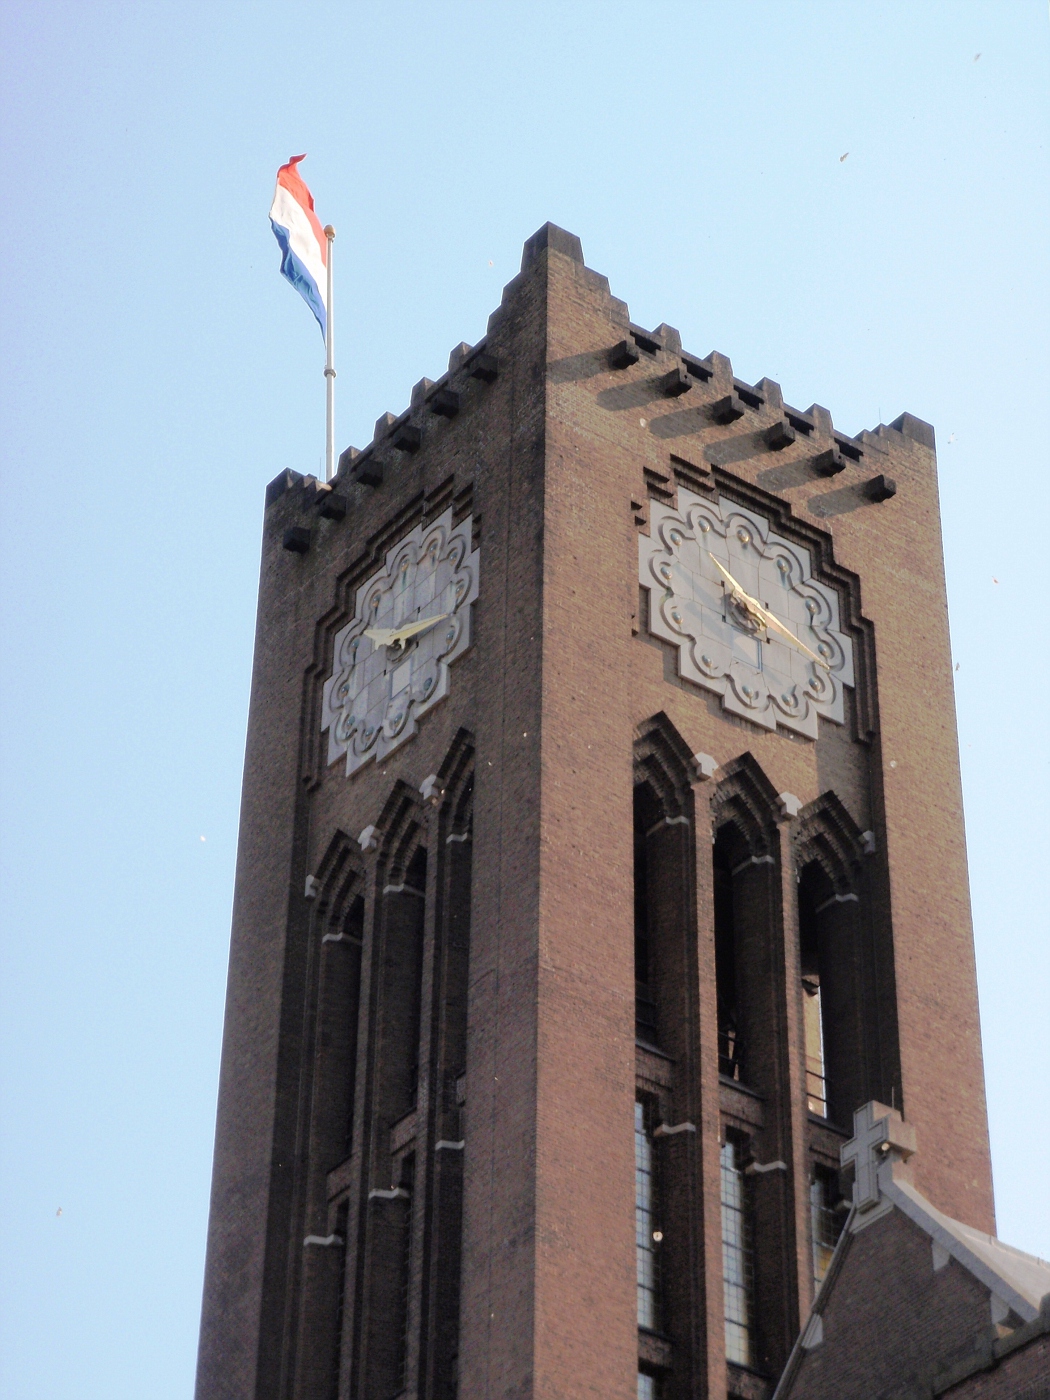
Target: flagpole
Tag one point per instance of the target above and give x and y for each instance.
(329, 368)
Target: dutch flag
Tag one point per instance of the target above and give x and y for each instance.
(304, 248)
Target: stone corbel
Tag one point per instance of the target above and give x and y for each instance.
(430, 790)
(704, 766)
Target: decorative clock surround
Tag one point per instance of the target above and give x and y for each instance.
(720, 647)
(377, 694)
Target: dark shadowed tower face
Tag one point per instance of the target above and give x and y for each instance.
(601, 852)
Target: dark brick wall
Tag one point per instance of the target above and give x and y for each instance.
(896, 1328)
(556, 456)
(1023, 1374)
(905, 784)
(893, 1292)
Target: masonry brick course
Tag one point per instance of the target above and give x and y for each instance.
(937, 1314)
(1021, 1372)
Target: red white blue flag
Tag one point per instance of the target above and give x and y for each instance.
(304, 248)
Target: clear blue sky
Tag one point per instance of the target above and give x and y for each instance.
(157, 372)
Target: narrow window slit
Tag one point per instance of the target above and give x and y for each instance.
(647, 1232)
(737, 1257)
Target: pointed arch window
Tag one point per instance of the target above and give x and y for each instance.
(846, 968)
(668, 1185)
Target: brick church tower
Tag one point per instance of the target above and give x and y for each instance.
(601, 852)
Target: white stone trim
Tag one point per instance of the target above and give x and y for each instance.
(667, 821)
(837, 899)
(752, 860)
(705, 765)
(951, 1236)
(814, 1333)
(430, 790)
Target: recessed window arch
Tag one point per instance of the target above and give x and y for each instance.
(731, 852)
(668, 1210)
(754, 1062)
(845, 982)
(814, 891)
(648, 814)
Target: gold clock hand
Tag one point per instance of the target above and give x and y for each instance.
(763, 615)
(398, 636)
(738, 592)
(789, 636)
(412, 629)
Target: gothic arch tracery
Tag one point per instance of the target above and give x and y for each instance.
(828, 835)
(404, 834)
(337, 878)
(456, 783)
(746, 798)
(662, 759)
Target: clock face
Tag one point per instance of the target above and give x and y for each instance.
(727, 636)
(391, 662)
